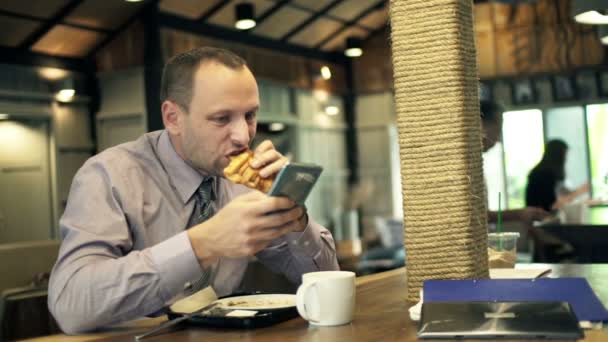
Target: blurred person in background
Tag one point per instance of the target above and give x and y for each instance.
(546, 187)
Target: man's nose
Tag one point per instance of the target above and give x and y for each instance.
(240, 133)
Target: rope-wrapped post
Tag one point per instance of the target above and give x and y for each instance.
(437, 103)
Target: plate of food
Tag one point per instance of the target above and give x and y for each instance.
(258, 302)
(244, 311)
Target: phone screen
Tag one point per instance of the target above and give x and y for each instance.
(296, 180)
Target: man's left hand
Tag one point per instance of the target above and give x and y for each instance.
(267, 159)
(270, 161)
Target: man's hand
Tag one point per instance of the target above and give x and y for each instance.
(245, 226)
(268, 159)
(271, 161)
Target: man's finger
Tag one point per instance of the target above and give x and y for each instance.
(269, 234)
(268, 204)
(281, 218)
(263, 147)
(273, 168)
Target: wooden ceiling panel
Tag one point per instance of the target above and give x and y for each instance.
(376, 19)
(313, 5)
(281, 22)
(225, 17)
(19, 29)
(314, 33)
(348, 10)
(192, 9)
(107, 14)
(338, 42)
(67, 41)
(35, 8)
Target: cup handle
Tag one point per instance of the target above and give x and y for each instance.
(301, 301)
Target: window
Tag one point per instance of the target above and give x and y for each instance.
(493, 170)
(597, 127)
(522, 138)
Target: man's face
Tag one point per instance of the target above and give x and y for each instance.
(221, 121)
(491, 132)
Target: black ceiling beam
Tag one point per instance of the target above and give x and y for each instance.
(375, 7)
(221, 33)
(110, 37)
(312, 18)
(270, 12)
(333, 17)
(32, 18)
(48, 25)
(214, 9)
(29, 58)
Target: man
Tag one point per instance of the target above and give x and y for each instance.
(491, 124)
(139, 230)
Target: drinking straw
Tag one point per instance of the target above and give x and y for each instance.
(499, 224)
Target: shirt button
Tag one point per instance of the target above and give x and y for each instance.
(306, 243)
(188, 286)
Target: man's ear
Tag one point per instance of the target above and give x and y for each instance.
(171, 120)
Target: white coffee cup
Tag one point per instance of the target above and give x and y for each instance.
(327, 298)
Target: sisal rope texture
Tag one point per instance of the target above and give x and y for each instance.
(436, 98)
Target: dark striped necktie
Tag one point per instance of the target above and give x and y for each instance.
(205, 195)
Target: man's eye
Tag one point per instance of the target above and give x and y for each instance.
(250, 116)
(221, 120)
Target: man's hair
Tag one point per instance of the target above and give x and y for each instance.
(177, 80)
(489, 110)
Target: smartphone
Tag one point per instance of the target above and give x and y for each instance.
(295, 180)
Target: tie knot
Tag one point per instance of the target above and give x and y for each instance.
(205, 191)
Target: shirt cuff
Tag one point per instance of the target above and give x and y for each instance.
(177, 265)
(308, 242)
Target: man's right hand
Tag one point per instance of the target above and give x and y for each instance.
(243, 227)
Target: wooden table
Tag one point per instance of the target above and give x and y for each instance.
(381, 315)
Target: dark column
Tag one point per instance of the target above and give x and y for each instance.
(152, 66)
(352, 150)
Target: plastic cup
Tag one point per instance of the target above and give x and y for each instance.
(502, 249)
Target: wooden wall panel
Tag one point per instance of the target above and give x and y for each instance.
(126, 50)
(512, 41)
(486, 54)
(374, 69)
(293, 70)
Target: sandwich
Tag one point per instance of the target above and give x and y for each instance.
(240, 171)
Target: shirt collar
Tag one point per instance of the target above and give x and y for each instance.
(184, 178)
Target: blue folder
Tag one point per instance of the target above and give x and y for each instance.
(575, 291)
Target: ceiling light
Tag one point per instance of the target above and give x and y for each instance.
(66, 91)
(332, 110)
(353, 47)
(244, 16)
(325, 72)
(52, 74)
(590, 11)
(276, 127)
(4, 116)
(134, 0)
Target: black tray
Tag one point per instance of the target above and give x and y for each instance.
(216, 317)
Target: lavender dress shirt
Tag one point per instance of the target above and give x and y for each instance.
(125, 252)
